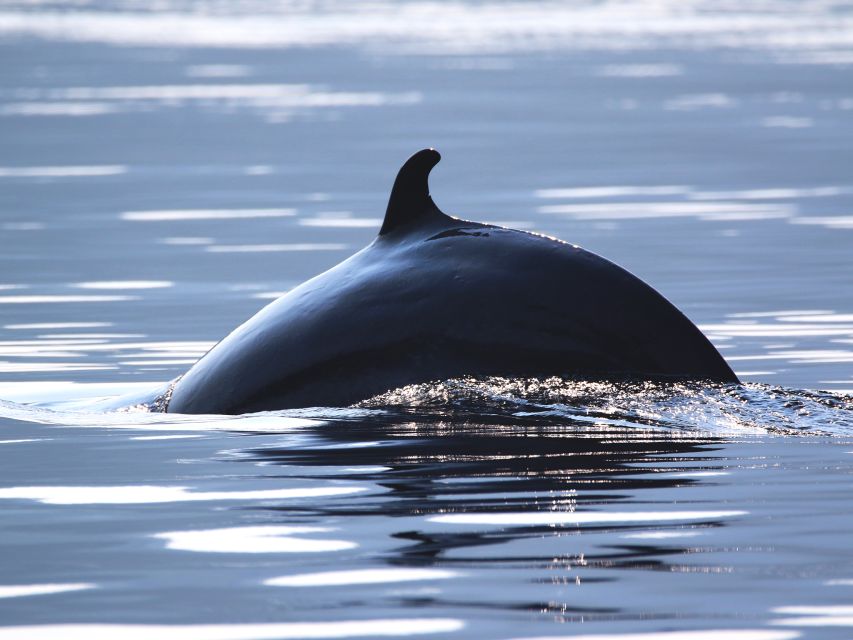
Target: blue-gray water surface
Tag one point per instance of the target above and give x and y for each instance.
(168, 168)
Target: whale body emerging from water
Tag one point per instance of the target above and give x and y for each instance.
(435, 297)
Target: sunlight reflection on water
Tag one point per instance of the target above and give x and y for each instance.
(168, 170)
(270, 631)
(268, 539)
(139, 494)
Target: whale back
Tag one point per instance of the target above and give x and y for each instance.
(435, 297)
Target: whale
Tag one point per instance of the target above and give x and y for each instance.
(435, 297)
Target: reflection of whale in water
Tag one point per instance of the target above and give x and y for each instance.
(425, 464)
(435, 297)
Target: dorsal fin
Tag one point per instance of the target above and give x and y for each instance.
(410, 202)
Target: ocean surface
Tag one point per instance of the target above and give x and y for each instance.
(167, 168)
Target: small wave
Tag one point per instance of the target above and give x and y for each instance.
(713, 408)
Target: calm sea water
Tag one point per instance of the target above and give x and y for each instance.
(166, 170)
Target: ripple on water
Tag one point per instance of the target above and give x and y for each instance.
(92, 351)
(142, 494)
(260, 539)
(170, 215)
(24, 590)
(360, 576)
(277, 102)
(748, 408)
(631, 202)
(254, 631)
(830, 222)
(59, 325)
(716, 409)
(539, 518)
(461, 28)
(721, 634)
(64, 299)
(70, 171)
(775, 340)
(276, 248)
(124, 284)
(815, 616)
(340, 221)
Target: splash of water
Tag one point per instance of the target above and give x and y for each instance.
(713, 408)
(695, 407)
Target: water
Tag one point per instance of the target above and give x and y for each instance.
(164, 173)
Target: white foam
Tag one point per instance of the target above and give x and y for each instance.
(262, 539)
(205, 214)
(150, 494)
(23, 590)
(250, 631)
(63, 172)
(361, 576)
(578, 518)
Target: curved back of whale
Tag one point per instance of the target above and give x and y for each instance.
(435, 297)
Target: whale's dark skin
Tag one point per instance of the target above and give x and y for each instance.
(435, 297)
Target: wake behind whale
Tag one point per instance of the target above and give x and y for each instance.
(435, 297)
